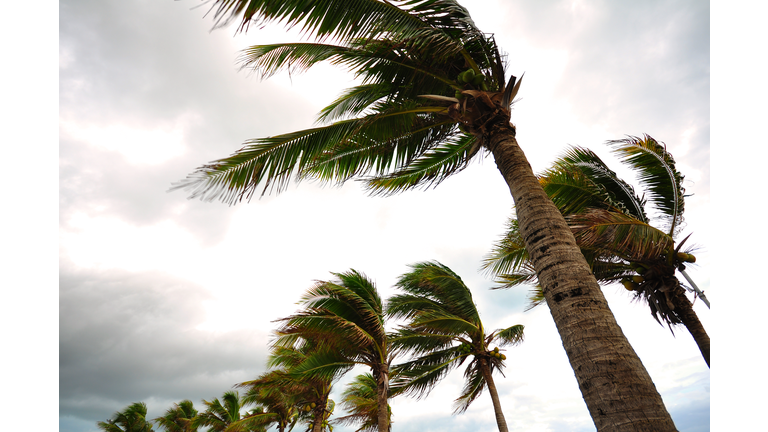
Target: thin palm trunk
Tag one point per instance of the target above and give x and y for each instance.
(317, 421)
(615, 385)
(382, 387)
(691, 322)
(486, 371)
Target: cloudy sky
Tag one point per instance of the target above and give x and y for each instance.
(163, 298)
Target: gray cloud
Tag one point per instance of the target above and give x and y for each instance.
(122, 333)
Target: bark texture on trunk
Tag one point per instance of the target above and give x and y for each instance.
(691, 321)
(616, 387)
(319, 413)
(486, 371)
(382, 387)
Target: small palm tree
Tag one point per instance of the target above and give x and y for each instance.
(219, 415)
(275, 397)
(344, 320)
(360, 399)
(179, 418)
(612, 226)
(443, 330)
(132, 419)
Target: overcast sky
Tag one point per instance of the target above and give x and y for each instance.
(163, 299)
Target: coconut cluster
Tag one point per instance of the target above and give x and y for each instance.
(468, 78)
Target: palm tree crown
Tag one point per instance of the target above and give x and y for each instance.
(612, 226)
(402, 127)
(179, 418)
(443, 330)
(132, 419)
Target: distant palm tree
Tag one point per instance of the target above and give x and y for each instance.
(276, 399)
(360, 399)
(219, 415)
(443, 330)
(344, 318)
(132, 419)
(612, 226)
(179, 418)
(434, 94)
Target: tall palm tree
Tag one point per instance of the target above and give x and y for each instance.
(132, 419)
(360, 399)
(434, 95)
(443, 330)
(179, 418)
(344, 318)
(612, 227)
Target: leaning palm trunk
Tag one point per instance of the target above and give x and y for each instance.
(605, 364)
(691, 322)
(486, 371)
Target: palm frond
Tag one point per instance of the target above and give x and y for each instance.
(619, 234)
(474, 383)
(580, 180)
(450, 157)
(657, 173)
(510, 336)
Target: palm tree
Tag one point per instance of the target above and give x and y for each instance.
(612, 227)
(219, 415)
(179, 418)
(443, 330)
(433, 96)
(132, 419)
(360, 399)
(344, 319)
(276, 401)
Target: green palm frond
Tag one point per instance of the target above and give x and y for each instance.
(131, 419)
(435, 281)
(360, 399)
(474, 383)
(417, 342)
(418, 376)
(178, 418)
(619, 234)
(324, 18)
(451, 156)
(510, 336)
(580, 180)
(657, 173)
(508, 255)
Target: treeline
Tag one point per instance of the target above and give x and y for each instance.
(342, 321)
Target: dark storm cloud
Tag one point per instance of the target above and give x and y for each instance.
(122, 333)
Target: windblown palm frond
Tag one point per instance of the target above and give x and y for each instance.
(179, 418)
(360, 400)
(132, 419)
(658, 175)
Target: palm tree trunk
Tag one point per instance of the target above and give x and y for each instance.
(615, 385)
(691, 321)
(382, 387)
(319, 414)
(485, 369)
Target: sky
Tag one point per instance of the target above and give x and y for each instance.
(162, 298)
